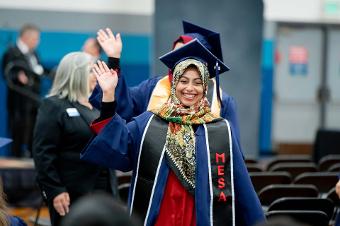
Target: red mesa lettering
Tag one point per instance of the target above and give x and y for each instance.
(220, 170)
(222, 198)
(221, 183)
(218, 156)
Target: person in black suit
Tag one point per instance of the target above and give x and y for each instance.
(22, 70)
(61, 132)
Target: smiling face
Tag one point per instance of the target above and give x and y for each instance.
(189, 89)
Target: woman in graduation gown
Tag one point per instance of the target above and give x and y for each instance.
(186, 163)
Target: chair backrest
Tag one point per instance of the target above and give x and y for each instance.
(20, 187)
(324, 181)
(311, 217)
(123, 191)
(250, 161)
(334, 168)
(123, 179)
(253, 167)
(273, 192)
(295, 168)
(288, 158)
(327, 142)
(327, 161)
(262, 179)
(304, 203)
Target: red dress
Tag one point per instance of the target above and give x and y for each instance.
(178, 205)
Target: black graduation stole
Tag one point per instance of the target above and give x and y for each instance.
(151, 156)
(219, 137)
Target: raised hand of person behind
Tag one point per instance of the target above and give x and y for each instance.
(107, 79)
(111, 44)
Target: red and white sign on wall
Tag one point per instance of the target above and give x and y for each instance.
(298, 60)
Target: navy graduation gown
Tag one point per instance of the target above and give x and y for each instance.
(118, 145)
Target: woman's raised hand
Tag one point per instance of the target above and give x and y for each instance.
(107, 79)
(111, 44)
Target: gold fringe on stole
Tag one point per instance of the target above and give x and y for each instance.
(160, 94)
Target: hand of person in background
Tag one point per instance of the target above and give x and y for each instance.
(61, 203)
(337, 188)
(107, 79)
(22, 77)
(111, 44)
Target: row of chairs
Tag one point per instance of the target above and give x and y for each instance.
(294, 169)
(329, 163)
(300, 201)
(324, 181)
(311, 210)
(270, 193)
(297, 187)
(305, 217)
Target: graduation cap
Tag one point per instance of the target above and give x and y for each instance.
(195, 49)
(4, 141)
(208, 38)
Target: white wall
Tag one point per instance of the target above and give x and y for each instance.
(275, 10)
(136, 7)
(312, 11)
(292, 10)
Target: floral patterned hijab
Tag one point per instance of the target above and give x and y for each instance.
(180, 141)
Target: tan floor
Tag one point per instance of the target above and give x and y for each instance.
(28, 214)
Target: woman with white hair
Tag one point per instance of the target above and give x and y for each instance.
(61, 132)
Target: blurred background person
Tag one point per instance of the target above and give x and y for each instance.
(61, 132)
(22, 69)
(98, 210)
(281, 221)
(92, 47)
(5, 218)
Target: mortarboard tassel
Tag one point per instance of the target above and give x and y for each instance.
(217, 70)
